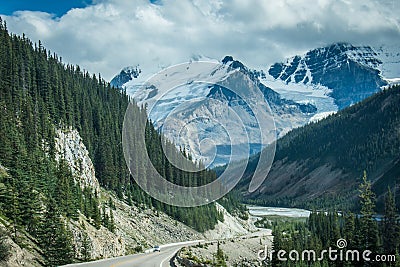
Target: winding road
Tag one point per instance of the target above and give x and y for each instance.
(154, 259)
(149, 259)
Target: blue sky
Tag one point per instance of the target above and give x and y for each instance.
(57, 7)
(103, 36)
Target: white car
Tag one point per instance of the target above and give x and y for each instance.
(157, 249)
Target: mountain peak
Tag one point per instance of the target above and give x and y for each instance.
(127, 74)
(341, 45)
(227, 59)
(234, 64)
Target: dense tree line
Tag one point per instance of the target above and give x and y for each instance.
(361, 231)
(38, 195)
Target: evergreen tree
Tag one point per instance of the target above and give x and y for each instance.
(220, 257)
(277, 244)
(55, 238)
(86, 247)
(369, 228)
(96, 214)
(112, 222)
(349, 229)
(390, 226)
(111, 203)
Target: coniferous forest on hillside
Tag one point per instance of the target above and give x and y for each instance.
(362, 137)
(39, 94)
(358, 138)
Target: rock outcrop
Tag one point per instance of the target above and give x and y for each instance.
(70, 147)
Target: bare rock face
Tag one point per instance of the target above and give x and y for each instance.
(20, 256)
(69, 145)
(231, 227)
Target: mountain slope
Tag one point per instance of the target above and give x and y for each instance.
(352, 73)
(365, 136)
(212, 100)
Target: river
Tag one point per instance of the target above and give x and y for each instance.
(286, 212)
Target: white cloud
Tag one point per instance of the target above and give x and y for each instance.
(111, 34)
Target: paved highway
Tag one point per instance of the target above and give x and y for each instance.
(150, 259)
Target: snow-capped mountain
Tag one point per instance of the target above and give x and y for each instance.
(209, 119)
(304, 88)
(342, 72)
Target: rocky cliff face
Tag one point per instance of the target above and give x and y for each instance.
(69, 146)
(20, 256)
(28, 255)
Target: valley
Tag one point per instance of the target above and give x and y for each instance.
(199, 133)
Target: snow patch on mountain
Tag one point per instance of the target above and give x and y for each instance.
(133, 77)
(390, 58)
(319, 116)
(318, 95)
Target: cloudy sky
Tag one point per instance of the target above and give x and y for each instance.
(104, 36)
